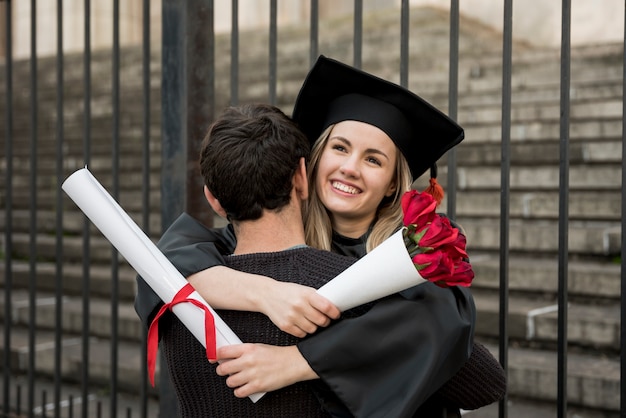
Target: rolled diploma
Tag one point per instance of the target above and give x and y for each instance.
(143, 255)
(385, 270)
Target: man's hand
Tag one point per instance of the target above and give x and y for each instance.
(253, 368)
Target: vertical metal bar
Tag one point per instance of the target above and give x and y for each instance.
(59, 152)
(143, 392)
(32, 282)
(505, 194)
(273, 53)
(453, 99)
(86, 223)
(358, 34)
(115, 168)
(234, 54)
(623, 247)
(200, 100)
(173, 98)
(563, 209)
(145, 49)
(404, 44)
(314, 35)
(187, 105)
(173, 148)
(8, 251)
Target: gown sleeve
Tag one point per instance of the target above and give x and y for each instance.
(419, 355)
(191, 247)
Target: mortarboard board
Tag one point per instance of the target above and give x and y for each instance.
(333, 92)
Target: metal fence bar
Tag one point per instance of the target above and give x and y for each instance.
(145, 193)
(623, 242)
(115, 172)
(86, 274)
(404, 43)
(357, 43)
(173, 150)
(314, 35)
(563, 210)
(273, 51)
(505, 194)
(59, 153)
(8, 267)
(32, 282)
(453, 102)
(234, 53)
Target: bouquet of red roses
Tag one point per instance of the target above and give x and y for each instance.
(436, 248)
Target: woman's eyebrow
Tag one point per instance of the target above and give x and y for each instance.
(368, 150)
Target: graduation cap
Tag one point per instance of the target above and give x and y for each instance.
(333, 92)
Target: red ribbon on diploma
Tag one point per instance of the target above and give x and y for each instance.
(153, 331)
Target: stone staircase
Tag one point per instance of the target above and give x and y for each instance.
(594, 199)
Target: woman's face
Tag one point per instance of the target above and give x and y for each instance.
(355, 172)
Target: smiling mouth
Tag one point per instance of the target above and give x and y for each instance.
(345, 188)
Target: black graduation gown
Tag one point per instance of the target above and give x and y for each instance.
(422, 336)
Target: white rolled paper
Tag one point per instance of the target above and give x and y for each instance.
(143, 255)
(385, 270)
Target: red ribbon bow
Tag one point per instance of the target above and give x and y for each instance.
(153, 331)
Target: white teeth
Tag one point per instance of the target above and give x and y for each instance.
(345, 188)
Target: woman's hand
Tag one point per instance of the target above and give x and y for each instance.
(296, 309)
(254, 368)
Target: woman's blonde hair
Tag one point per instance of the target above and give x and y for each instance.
(317, 223)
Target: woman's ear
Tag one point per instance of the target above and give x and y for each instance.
(215, 204)
(391, 189)
(300, 182)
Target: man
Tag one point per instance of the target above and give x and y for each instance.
(253, 164)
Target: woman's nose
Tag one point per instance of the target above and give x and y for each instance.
(350, 168)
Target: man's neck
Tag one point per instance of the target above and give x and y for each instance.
(273, 232)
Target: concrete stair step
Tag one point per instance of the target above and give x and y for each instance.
(533, 319)
(72, 281)
(542, 130)
(129, 359)
(593, 380)
(98, 400)
(531, 274)
(523, 154)
(600, 239)
(73, 220)
(129, 327)
(583, 205)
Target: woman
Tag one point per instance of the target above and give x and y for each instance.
(358, 174)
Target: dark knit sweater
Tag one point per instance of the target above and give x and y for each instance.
(201, 392)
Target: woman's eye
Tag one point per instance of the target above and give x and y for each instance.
(373, 160)
(339, 148)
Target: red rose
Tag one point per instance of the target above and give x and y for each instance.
(436, 248)
(457, 247)
(462, 276)
(434, 266)
(418, 208)
(439, 233)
